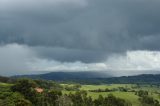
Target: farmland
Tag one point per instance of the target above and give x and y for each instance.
(127, 95)
(22, 91)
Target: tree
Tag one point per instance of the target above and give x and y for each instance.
(26, 87)
(80, 99)
(141, 93)
(64, 101)
(113, 101)
(23, 102)
(53, 96)
(13, 99)
(148, 101)
(99, 101)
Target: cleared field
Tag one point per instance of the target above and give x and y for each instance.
(109, 86)
(5, 85)
(128, 96)
(131, 97)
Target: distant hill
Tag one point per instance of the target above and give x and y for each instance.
(144, 78)
(4, 79)
(69, 75)
(95, 77)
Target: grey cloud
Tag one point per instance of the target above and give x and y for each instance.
(14, 59)
(70, 55)
(85, 33)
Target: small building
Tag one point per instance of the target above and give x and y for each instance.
(39, 90)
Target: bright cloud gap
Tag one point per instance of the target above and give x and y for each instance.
(134, 62)
(22, 59)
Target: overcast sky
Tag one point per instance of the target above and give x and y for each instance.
(121, 37)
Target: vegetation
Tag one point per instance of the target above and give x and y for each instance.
(95, 78)
(34, 92)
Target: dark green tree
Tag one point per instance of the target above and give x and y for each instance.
(26, 87)
(53, 96)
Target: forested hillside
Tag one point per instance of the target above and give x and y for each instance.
(94, 78)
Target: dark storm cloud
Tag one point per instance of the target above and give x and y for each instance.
(70, 55)
(82, 30)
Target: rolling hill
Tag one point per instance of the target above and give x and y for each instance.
(95, 77)
(68, 75)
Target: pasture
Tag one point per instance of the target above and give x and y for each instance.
(128, 95)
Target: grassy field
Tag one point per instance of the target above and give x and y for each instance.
(5, 85)
(128, 96)
(109, 86)
(131, 97)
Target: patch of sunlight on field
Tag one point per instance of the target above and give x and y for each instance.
(67, 92)
(5, 84)
(109, 86)
(69, 85)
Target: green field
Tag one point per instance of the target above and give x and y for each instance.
(109, 86)
(5, 84)
(128, 96)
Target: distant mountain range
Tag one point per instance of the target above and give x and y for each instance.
(94, 77)
(69, 75)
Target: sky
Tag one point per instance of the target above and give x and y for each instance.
(121, 37)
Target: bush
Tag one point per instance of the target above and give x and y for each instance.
(141, 93)
(149, 101)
